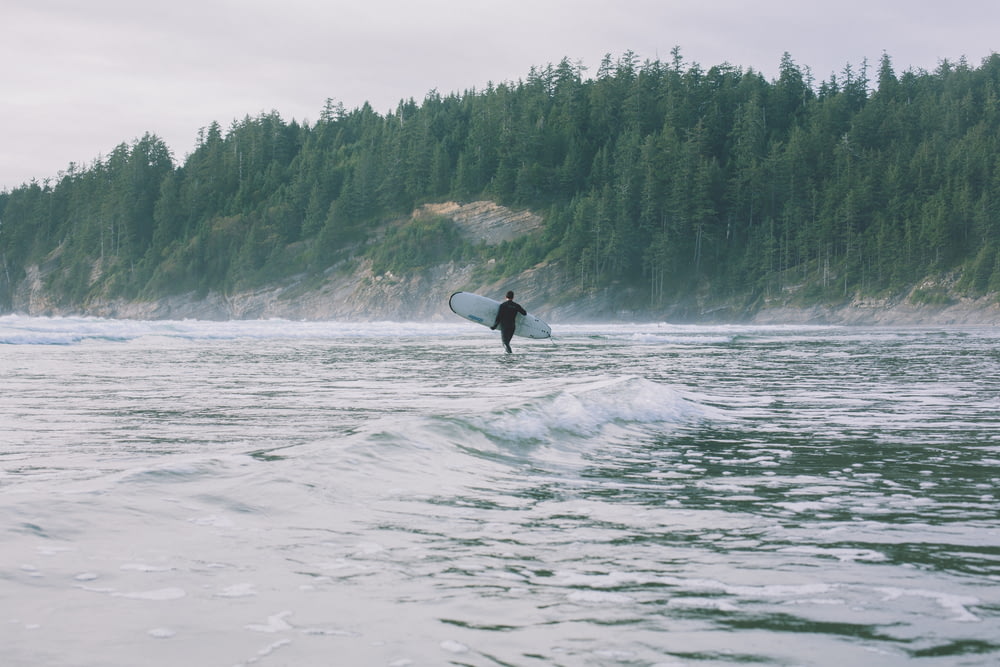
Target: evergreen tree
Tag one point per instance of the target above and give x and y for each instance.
(662, 176)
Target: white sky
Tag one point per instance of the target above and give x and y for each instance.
(78, 77)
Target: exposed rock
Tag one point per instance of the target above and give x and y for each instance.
(357, 296)
(484, 221)
(961, 312)
(356, 293)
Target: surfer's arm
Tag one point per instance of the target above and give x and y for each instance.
(496, 322)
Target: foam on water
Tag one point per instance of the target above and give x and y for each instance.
(71, 330)
(399, 494)
(587, 409)
(22, 330)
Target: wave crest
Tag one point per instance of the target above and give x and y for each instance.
(587, 410)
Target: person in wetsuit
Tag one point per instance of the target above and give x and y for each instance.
(506, 315)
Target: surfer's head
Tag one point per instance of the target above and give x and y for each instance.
(510, 295)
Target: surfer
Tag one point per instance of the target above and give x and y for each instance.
(506, 315)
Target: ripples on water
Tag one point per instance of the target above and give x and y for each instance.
(381, 494)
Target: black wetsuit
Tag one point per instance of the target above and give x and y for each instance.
(506, 316)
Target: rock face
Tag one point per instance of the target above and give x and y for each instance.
(484, 221)
(357, 296)
(960, 312)
(356, 293)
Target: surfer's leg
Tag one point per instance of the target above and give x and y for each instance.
(505, 336)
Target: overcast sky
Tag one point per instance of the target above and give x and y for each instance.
(79, 77)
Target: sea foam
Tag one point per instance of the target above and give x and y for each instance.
(585, 410)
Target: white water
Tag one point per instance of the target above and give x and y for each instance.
(322, 493)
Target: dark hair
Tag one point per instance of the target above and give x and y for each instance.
(510, 295)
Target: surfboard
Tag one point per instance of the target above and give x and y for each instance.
(483, 310)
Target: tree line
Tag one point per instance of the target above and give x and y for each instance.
(663, 177)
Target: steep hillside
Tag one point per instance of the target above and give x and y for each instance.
(485, 221)
(350, 290)
(654, 190)
(347, 290)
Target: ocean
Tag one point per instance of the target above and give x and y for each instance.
(331, 493)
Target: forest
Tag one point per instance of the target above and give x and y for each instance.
(663, 177)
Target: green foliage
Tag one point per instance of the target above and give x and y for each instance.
(418, 245)
(976, 277)
(662, 177)
(930, 296)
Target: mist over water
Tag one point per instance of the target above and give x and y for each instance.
(277, 493)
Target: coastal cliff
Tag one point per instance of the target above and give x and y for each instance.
(352, 290)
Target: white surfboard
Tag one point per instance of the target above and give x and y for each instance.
(483, 310)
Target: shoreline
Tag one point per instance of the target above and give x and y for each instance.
(543, 290)
(319, 306)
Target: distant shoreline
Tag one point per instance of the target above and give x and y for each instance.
(322, 305)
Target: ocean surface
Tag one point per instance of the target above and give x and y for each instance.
(324, 493)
